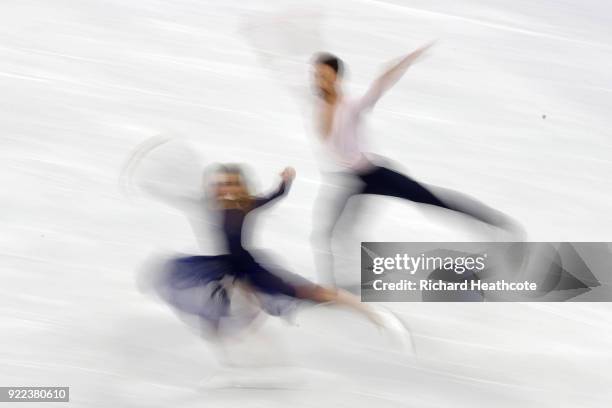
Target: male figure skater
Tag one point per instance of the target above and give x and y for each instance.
(338, 121)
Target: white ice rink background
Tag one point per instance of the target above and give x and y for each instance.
(512, 107)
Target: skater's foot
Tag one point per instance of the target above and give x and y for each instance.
(395, 331)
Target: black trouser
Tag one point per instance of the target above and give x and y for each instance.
(382, 181)
(386, 182)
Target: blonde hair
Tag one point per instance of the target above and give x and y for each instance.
(245, 200)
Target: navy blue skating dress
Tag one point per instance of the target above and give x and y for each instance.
(206, 278)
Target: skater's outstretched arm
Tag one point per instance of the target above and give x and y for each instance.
(287, 175)
(390, 77)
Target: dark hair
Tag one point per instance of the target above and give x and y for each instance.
(331, 61)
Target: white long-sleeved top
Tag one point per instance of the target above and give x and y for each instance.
(344, 141)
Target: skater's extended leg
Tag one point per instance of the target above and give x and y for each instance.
(383, 181)
(394, 328)
(465, 204)
(387, 182)
(320, 294)
(294, 286)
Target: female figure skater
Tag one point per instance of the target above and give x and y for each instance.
(210, 292)
(202, 285)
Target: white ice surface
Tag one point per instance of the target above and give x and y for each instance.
(83, 82)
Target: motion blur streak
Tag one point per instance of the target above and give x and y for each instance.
(517, 120)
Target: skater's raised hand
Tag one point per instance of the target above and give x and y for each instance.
(288, 174)
(420, 51)
(391, 76)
